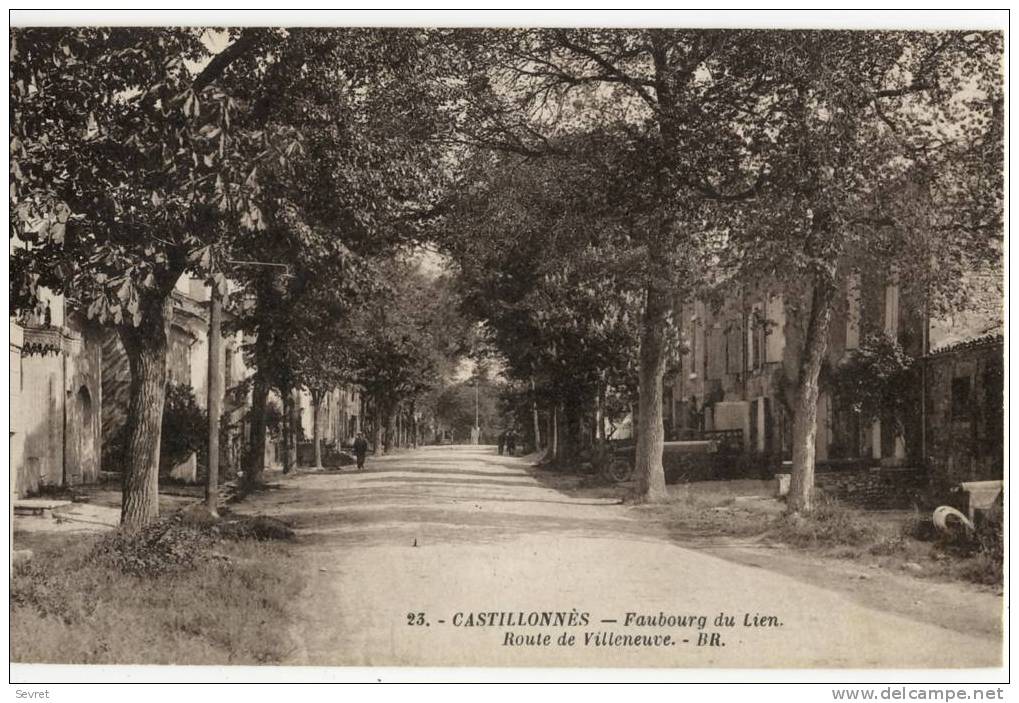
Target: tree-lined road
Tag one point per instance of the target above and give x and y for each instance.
(461, 530)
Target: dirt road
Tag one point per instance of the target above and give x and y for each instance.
(412, 561)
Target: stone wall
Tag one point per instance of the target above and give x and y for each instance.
(83, 405)
(57, 406)
(874, 488)
(728, 363)
(965, 412)
(17, 425)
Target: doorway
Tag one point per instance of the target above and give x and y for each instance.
(83, 466)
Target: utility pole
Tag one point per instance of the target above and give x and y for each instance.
(214, 400)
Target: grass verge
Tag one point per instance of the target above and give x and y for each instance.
(179, 592)
(836, 530)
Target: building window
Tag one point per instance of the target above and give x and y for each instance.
(734, 344)
(756, 336)
(228, 364)
(853, 312)
(728, 351)
(994, 410)
(774, 331)
(693, 348)
(716, 353)
(892, 310)
(961, 400)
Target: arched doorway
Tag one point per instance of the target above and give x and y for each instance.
(83, 467)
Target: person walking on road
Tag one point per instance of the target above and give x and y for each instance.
(511, 442)
(360, 450)
(502, 441)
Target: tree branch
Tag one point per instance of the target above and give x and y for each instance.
(221, 61)
(712, 193)
(899, 92)
(637, 85)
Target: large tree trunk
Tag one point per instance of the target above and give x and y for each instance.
(556, 444)
(254, 464)
(634, 421)
(535, 418)
(598, 430)
(571, 437)
(815, 346)
(379, 429)
(649, 471)
(549, 434)
(288, 430)
(391, 438)
(145, 347)
(295, 427)
(316, 406)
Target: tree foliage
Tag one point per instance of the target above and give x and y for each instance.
(404, 340)
(882, 159)
(543, 259)
(126, 163)
(582, 181)
(131, 159)
(877, 378)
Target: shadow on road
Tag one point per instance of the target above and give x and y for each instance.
(451, 479)
(449, 471)
(437, 499)
(466, 496)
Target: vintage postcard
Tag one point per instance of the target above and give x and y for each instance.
(638, 345)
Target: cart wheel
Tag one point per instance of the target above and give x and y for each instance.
(619, 469)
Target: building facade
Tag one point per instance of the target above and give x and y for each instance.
(965, 401)
(187, 365)
(55, 398)
(340, 416)
(743, 355)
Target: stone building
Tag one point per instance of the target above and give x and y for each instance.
(965, 401)
(744, 356)
(70, 382)
(187, 365)
(339, 419)
(56, 396)
(964, 384)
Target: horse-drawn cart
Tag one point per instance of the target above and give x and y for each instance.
(684, 460)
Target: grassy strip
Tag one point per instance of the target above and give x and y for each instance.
(836, 530)
(176, 594)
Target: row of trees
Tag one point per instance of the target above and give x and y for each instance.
(582, 181)
(141, 155)
(656, 166)
(538, 259)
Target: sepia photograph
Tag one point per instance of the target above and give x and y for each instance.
(668, 343)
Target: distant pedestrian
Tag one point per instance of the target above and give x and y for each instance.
(502, 441)
(511, 442)
(360, 450)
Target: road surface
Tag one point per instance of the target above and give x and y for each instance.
(446, 556)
